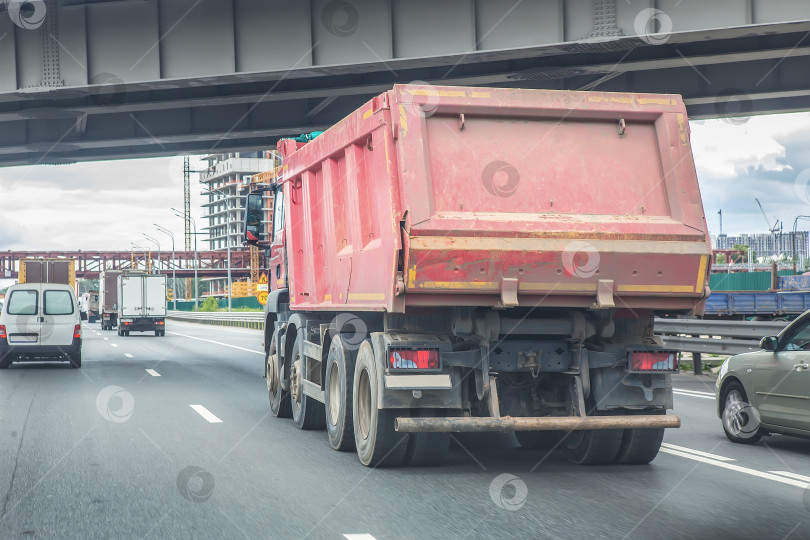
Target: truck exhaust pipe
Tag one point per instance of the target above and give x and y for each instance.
(544, 423)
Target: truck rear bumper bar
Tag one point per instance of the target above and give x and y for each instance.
(545, 423)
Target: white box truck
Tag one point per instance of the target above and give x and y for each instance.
(141, 303)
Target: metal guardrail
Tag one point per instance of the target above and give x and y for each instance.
(696, 336)
(699, 336)
(220, 318)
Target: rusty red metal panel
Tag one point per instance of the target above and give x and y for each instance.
(584, 198)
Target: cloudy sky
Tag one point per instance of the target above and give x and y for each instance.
(103, 205)
(107, 205)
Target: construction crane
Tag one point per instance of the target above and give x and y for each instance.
(774, 229)
(777, 225)
(720, 213)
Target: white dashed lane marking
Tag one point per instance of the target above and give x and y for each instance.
(128, 355)
(205, 413)
(153, 373)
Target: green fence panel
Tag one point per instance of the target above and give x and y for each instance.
(743, 281)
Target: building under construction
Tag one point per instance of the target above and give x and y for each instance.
(224, 181)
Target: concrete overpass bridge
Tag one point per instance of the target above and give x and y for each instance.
(107, 79)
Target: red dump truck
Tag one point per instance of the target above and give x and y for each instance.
(450, 259)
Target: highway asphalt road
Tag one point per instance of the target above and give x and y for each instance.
(172, 438)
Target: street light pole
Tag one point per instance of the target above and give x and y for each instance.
(196, 260)
(174, 265)
(158, 246)
(227, 246)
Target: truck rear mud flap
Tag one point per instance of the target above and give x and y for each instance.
(545, 423)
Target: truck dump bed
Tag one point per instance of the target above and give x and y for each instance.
(449, 196)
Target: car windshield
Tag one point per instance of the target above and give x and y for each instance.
(58, 303)
(23, 302)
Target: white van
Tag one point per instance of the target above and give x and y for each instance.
(40, 320)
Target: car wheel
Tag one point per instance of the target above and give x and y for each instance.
(76, 360)
(5, 362)
(740, 419)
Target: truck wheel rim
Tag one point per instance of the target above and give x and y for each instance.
(334, 394)
(364, 404)
(272, 380)
(295, 382)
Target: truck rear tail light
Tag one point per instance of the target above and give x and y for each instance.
(3, 334)
(653, 361)
(160, 322)
(77, 331)
(414, 359)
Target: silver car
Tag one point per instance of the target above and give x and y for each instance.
(768, 391)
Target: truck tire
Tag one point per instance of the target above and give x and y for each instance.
(338, 394)
(427, 449)
(378, 445)
(76, 360)
(280, 404)
(592, 447)
(539, 440)
(640, 446)
(741, 427)
(307, 413)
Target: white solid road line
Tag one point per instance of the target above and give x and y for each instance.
(128, 355)
(792, 475)
(153, 373)
(205, 413)
(690, 394)
(218, 343)
(698, 392)
(737, 468)
(696, 452)
(358, 537)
